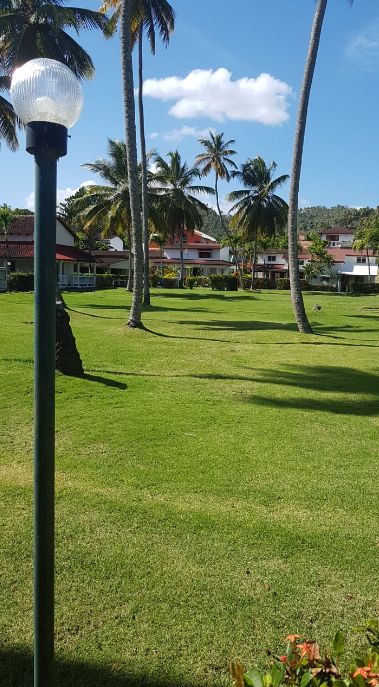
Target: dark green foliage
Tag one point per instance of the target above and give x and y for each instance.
(283, 284)
(21, 281)
(364, 288)
(320, 217)
(191, 282)
(169, 282)
(211, 223)
(104, 281)
(217, 282)
(37, 29)
(154, 279)
(231, 282)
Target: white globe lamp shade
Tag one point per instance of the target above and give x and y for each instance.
(44, 90)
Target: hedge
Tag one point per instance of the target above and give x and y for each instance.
(21, 281)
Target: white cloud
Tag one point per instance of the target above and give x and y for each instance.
(62, 194)
(213, 94)
(185, 131)
(154, 135)
(363, 47)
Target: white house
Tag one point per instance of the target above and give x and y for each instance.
(18, 252)
(203, 254)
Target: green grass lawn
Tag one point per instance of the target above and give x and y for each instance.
(217, 484)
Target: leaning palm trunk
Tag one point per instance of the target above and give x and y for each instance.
(131, 147)
(181, 280)
(145, 229)
(296, 294)
(254, 260)
(218, 206)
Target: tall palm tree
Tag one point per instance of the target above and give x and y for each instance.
(36, 28)
(8, 118)
(154, 15)
(132, 163)
(216, 158)
(150, 16)
(180, 206)
(257, 207)
(296, 294)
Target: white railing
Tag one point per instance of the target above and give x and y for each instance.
(63, 281)
(3, 279)
(84, 281)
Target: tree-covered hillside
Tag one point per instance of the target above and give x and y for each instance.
(318, 216)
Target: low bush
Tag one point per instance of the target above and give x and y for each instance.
(104, 281)
(302, 665)
(231, 282)
(154, 279)
(169, 282)
(366, 289)
(283, 284)
(263, 283)
(217, 282)
(321, 287)
(21, 281)
(191, 282)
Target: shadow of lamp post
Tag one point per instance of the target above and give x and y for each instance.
(48, 99)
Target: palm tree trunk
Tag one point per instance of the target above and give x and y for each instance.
(145, 228)
(6, 255)
(129, 285)
(131, 148)
(369, 266)
(254, 260)
(296, 295)
(218, 206)
(181, 280)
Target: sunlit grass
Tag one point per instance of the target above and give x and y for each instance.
(216, 483)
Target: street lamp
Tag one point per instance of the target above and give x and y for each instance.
(48, 99)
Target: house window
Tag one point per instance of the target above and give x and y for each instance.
(334, 237)
(301, 262)
(205, 254)
(271, 258)
(184, 238)
(361, 261)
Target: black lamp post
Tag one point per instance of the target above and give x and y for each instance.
(48, 98)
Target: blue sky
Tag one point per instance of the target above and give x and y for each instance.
(230, 45)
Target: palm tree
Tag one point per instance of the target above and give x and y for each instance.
(151, 16)
(173, 182)
(8, 118)
(216, 158)
(131, 155)
(161, 241)
(296, 294)
(257, 207)
(154, 15)
(106, 208)
(34, 28)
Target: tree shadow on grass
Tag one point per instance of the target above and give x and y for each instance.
(188, 338)
(16, 670)
(104, 380)
(347, 391)
(193, 296)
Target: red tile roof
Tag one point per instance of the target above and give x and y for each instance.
(18, 249)
(23, 225)
(337, 230)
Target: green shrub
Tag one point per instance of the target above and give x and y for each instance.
(21, 281)
(263, 283)
(231, 282)
(154, 279)
(169, 282)
(191, 282)
(302, 665)
(366, 289)
(321, 287)
(246, 281)
(217, 282)
(283, 284)
(104, 281)
(203, 281)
